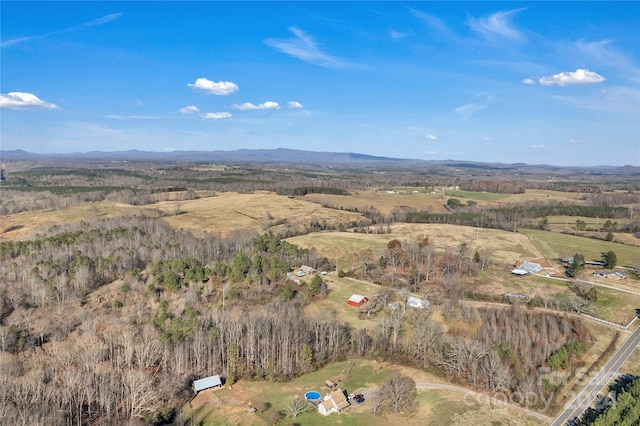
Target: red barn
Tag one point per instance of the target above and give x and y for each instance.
(357, 300)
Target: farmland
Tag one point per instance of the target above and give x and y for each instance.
(157, 274)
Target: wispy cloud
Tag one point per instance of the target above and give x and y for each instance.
(304, 47)
(22, 100)
(431, 137)
(99, 21)
(497, 25)
(537, 147)
(469, 109)
(216, 115)
(249, 106)
(434, 23)
(397, 34)
(194, 111)
(579, 76)
(220, 88)
(133, 117)
(529, 81)
(294, 105)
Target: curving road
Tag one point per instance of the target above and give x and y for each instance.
(585, 398)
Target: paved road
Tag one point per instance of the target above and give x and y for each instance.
(585, 398)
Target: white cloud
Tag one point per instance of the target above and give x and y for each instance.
(431, 137)
(529, 81)
(249, 106)
(294, 105)
(216, 115)
(429, 152)
(22, 100)
(221, 88)
(538, 147)
(397, 34)
(487, 138)
(579, 76)
(95, 22)
(469, 109)
(573, 141)
(498, 24)
(303, 47)
(191, 109)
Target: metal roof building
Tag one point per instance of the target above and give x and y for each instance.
(206, 383)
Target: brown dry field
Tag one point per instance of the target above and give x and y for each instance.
(39, 221)
(222, 213)
(381, 201)
(350, 248)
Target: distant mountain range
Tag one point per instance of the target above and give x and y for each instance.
(292, 156)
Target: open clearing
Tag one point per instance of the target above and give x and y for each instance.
(384, 202)
(223, 213)
(555, 245)
(436, 407)
(340, 289)
(351, 248)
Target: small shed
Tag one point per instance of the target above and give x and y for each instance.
(207, 383)
(357, 300)
(330, 384)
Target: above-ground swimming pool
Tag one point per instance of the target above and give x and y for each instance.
(312, 395)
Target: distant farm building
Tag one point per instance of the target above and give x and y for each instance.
(414, 302)
(207, 383)
(357, 300)
(307, 269)
(611, 275)
(335, 402)
(525, 268)
(594, 264)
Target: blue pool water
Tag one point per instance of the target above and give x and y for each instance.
(312, 395)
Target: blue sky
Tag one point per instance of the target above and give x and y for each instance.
(534, 82)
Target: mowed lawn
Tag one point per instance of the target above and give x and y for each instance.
(435, 407)
(555, 245)
(340, 290)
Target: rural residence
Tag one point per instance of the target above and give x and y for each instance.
(414, 302)
(525, 268)
(335, 402)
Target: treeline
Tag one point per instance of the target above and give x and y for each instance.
(625, 410)
(300, 191)
(510, 218)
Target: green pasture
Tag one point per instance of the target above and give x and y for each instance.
(474, 195)
(555, 245)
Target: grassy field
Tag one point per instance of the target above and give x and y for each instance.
(351, 248)
(223, 213)
(476, 196)
(340, 289)
(381, 201)
(435, 407)
(27, 224)
(555, 245)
